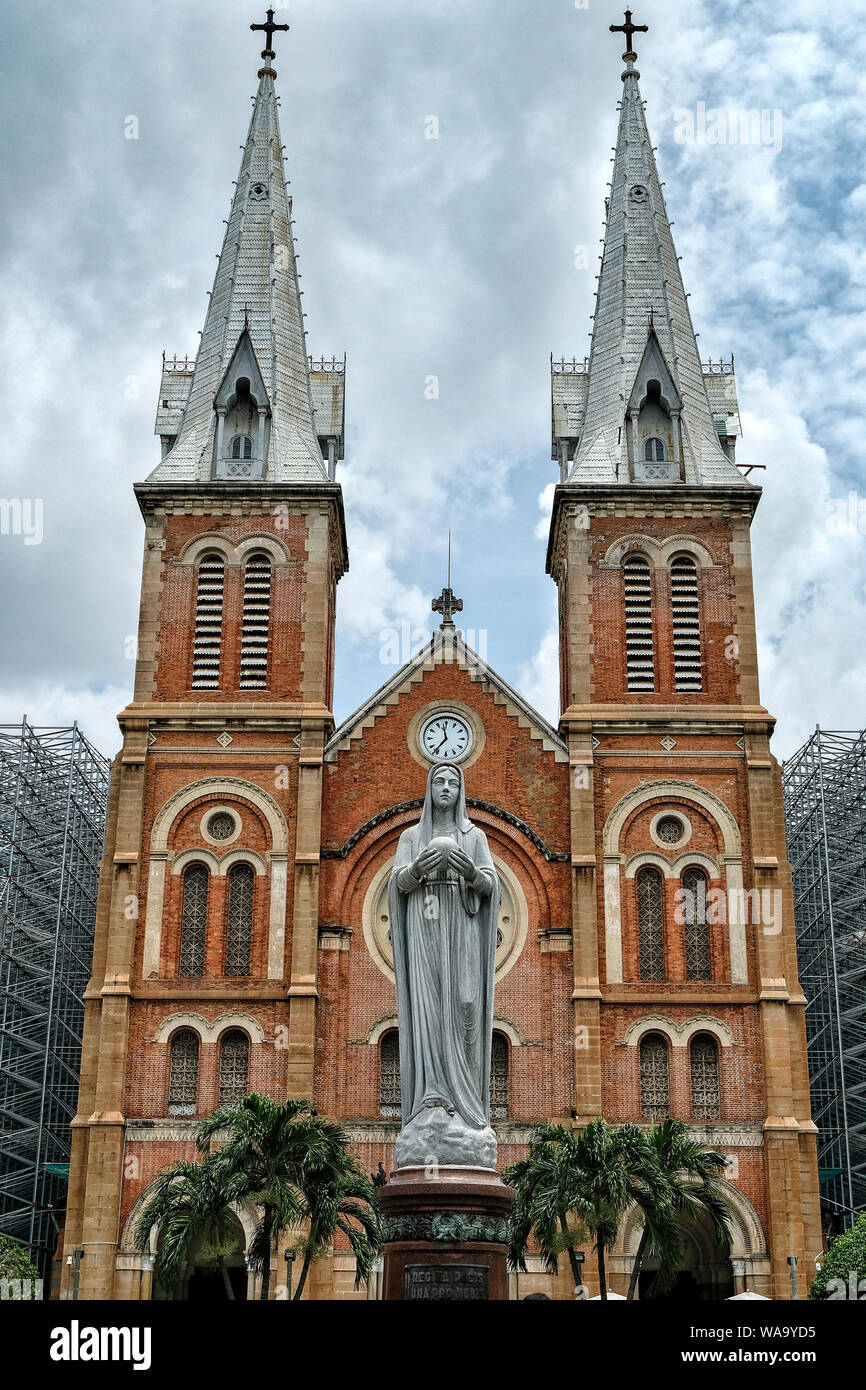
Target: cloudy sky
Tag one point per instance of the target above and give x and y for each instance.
(452, 257)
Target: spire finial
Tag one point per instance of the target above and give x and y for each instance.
(446, 603)
(270, 28)
(629, 30)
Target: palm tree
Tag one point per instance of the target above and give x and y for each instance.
(286, 1160)
(186, 1202)
(693, 1177)
(578, 1181)
(340, 1198)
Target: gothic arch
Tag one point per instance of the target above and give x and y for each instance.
(241, 856)
(659, 553)
(218, 787)
(666, 789)
(195, 856)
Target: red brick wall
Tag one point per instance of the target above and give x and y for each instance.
(177, 610)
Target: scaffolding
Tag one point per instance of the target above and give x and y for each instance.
(53, 803)
(825, 812)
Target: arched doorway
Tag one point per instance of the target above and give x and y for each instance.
(203, 1280)
(705, 1269)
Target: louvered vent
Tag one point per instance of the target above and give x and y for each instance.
(208, 624)
(257, 615)
(687, 627)
(638, 624)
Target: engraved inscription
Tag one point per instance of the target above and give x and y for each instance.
(437, 1283)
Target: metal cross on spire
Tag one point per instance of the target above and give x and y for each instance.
(629, 29)
(446, 603)
(270, 28)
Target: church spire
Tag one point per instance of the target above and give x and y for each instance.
(248, 412)
(647, 416)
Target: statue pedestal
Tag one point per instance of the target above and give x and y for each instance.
(446, 1235)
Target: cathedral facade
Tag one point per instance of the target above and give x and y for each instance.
(645, 959)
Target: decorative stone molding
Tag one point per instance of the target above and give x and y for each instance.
(242, 856)
(231, 553)
(680, 1034)
(209, 1030)
(194, 856)
(659, 553)
(747, 1234)
(211, 811)
(673, 868)
(450, 1226)
(404, 807)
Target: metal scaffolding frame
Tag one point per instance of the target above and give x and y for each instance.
(53, 804)
(825, 812)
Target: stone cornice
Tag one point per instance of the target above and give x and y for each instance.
(252, 498)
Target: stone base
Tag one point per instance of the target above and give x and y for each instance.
(446, 1236)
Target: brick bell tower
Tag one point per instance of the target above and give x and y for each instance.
(686, 994)
(204, 976)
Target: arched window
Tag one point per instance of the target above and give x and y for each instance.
(651, 926)
(193, 921)
(687, 624)
(234, 1066)
(239, 921)
(208, 623)
(389, 1074)
(655, 1086)
(499, 1077)
(183, 1073)
(697, 932)
(242, 447)
(257, 616)
(639, 663)
(706, 1102)
(654, 450)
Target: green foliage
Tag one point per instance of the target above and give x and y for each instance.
(845, 1258)
(579, 1183)
(284, 1160)
(15, 1262)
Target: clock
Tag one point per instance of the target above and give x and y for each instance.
(446, 737)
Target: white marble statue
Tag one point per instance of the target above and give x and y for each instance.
(444, 907)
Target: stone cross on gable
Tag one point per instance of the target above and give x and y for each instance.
(270, 28)
(629, 29)
(447, 605)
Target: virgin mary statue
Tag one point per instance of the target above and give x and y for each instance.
(444, 905)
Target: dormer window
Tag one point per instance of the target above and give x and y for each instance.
(654, 450)
(242, 447)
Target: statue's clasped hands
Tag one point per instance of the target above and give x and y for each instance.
(451, 856)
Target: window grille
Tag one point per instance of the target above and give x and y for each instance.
(640, 672)
(651, 931)
(221, 826)
(654, 451)
(234, 1066)
(208, 624)
(183, 1074)
(669, 830)
(655, 1089)
(239, 927)
(257, 611)
(242, 447)
(706, 1101)
(390, 1100)
(193, 925)
(697, 931)
(686, 624)
(499, 1078)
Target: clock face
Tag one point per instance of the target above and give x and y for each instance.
(446, 737)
